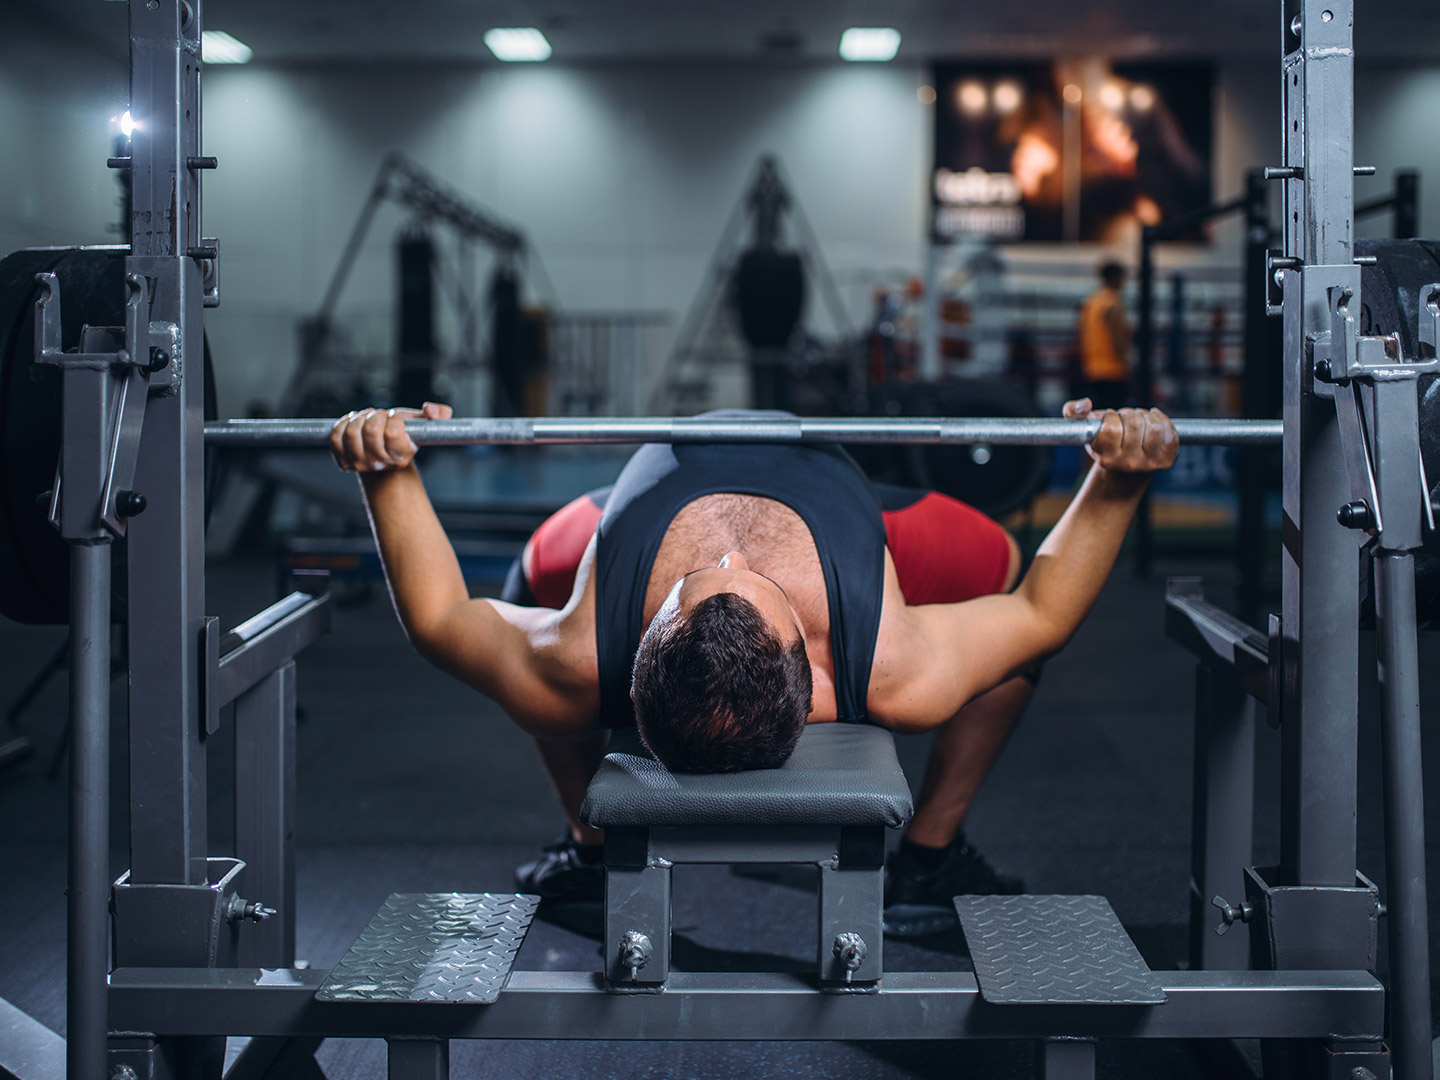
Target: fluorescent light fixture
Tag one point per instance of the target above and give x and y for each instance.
(872, 43)
(517, 43)
(218, 47)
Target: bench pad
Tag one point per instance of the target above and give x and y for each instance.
(839, 774)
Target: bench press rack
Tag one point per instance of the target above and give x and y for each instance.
(194, 961)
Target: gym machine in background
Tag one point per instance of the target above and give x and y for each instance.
(761, 287)
(189, 966)
(515, 343)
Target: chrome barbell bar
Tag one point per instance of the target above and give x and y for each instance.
(559, 430)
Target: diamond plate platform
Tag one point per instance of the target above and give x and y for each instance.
(1054, 950)
(442, 948)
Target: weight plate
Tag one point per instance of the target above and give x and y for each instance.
(994, 479)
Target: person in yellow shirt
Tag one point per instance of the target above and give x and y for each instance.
(1104, 340)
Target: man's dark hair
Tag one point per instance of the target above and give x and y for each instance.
(1113, 273)
(717, 690)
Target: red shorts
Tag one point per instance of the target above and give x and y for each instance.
(944, 550)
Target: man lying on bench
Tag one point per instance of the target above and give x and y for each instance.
(727, 594)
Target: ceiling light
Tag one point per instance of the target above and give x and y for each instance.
(1112, 97)
(1072, 93)
(1008, 96)
(517, 43)
(1142, 98)
(218, 47)
(972, 98)
(873, 43)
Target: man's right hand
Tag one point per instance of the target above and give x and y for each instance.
(373, 440)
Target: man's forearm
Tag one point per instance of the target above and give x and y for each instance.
(420, 565)
(1072, 564)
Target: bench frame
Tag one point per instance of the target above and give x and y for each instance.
(851, 864)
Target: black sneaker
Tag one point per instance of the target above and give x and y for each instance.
(920, 901)
(562, 876)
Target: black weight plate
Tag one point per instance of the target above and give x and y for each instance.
(994, 479)
(34, 560)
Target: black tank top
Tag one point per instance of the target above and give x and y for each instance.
(821, 483)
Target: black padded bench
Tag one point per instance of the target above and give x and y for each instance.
(829, 805)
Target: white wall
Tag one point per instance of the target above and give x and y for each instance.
(623, 177)
(1397, 125)
(57, 99)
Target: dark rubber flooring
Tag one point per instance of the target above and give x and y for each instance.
(410, 782)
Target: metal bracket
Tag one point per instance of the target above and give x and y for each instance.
(178, 925)
(1307, 927)
(234, 662)
(1276, 263)
(1428, 328)
(48, 343)
(106, 386)
(210, 269)
(1217, 638)
(1428, 336)
(124, 445)
(1337, 363)
(1346, 360)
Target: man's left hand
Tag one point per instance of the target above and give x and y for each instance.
(1129, 440)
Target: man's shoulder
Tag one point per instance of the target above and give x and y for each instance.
(561, 643)
(564, 679)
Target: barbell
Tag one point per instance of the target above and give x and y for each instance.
(557, 431)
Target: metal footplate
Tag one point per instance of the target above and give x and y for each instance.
(441, 948)
(1054, 950)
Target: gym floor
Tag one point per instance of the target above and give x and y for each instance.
(410, 782)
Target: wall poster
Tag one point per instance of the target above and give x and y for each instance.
(1066, 151)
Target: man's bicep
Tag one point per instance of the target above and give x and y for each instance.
(478, 642)
(509, 653)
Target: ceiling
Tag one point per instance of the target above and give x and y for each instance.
(287, 31)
